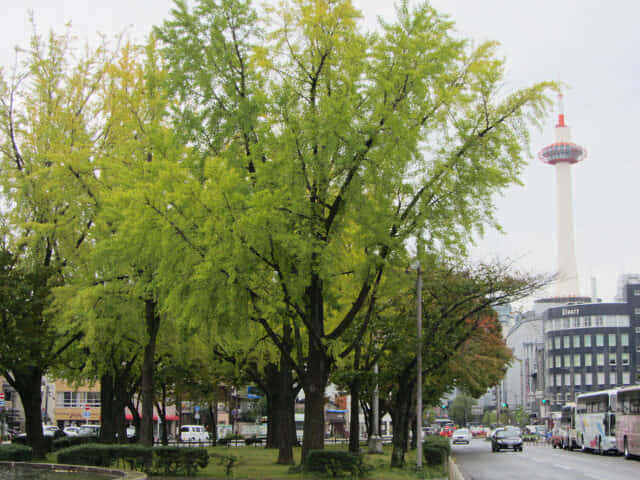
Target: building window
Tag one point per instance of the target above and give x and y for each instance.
(77, 399)
(636, 311)
(624, 339)
(624, 358)
(577, 379)
(566, 341)
(587, 321)
(576, 322)
(626, 378)
(612, 359)
(567, 379)
(587, 359)
(576, 360)
(556, 342)
(612, 339)
(566, 323)
(576, 341)
(600, 378)
(612, 378)
(567, 361)
(587, 340)
(599, 340)
(558, 380)
(600, 359)
(599, 321)
(588, 378)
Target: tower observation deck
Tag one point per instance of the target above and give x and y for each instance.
(562, 154)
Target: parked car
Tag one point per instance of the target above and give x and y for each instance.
(52, 431)
(71, 431)
(193, 433)
(47, 431)
(506, 438)
(461, 435)
(89, 430)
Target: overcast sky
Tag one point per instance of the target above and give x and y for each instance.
(590, 45)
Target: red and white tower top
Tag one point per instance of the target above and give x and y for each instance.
(562, 151)
(562, 154)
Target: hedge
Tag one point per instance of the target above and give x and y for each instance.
(334, 463)
(151, 460)
(11, 452)
(436, 449)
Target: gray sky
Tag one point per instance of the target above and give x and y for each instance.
(590, 45)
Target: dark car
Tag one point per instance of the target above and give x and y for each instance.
(506, 438)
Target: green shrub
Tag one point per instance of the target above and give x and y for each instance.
(183, 461)
(15, 453)
(436, 450)
(225, 441)
(66, 442)
(179, 460)
(252, 440)
(228, 461)
(334, 463)
(95, 454)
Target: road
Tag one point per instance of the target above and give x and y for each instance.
(538, 462)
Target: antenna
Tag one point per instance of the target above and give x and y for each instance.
(560, 111)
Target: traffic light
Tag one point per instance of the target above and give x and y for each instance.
(505, 405)
(544, 400)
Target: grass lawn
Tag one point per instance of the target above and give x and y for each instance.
(258, 463)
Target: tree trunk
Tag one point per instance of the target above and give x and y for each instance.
(285, 436)
(213, 414)
(153, 324)
(354, 421)
(314, 387)
(108, 422)
(27, 383)
(317, 372)
(400, 414)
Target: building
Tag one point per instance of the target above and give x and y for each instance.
(593, 346)
(569, 345)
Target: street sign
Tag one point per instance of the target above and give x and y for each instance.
(86, 414)
(87, 408)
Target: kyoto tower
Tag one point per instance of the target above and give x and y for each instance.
(562, 154)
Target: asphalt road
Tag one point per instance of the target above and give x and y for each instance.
(540, 462)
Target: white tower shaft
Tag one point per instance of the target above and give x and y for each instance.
(567, 285)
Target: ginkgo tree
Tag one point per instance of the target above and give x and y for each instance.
(323, 150)
(48, 143)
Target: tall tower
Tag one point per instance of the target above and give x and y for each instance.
(562, 154)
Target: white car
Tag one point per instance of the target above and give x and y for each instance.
(51, 431)
(89, 430)
(71, 431)
(193, 433)
(461, 435)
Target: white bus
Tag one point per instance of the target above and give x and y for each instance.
(628, 421)
(596, 421)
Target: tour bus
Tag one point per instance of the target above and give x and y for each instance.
(596, 421)
(565, 436)
(628, 421)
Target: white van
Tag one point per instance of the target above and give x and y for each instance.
(193, 433)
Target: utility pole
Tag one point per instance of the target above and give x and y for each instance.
(419, 370)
